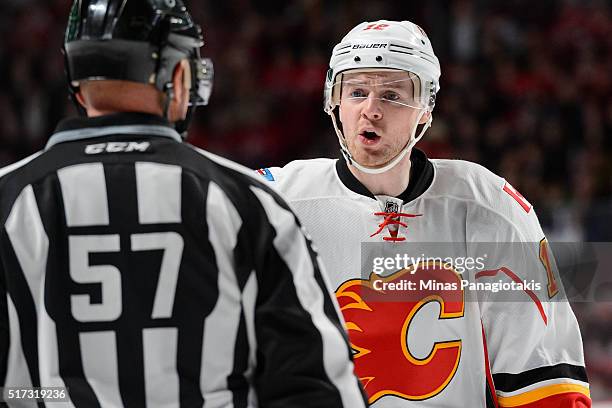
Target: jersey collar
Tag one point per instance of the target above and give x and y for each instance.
(131, 123)
(421, 177)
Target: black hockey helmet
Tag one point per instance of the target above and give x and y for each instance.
(135, 40)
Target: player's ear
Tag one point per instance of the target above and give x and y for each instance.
(425, 118)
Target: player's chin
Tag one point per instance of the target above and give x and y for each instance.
(371, 159)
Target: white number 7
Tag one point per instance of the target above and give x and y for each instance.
(172, 244)
(109, 277)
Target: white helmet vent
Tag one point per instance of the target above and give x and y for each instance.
(411, 51)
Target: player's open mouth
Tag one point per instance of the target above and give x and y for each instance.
(369, 137)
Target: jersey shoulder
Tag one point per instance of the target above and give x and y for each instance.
(231, 166)
(304, 179)
(466, 180)
(14, 177)
(488, 196)
(235, 179)
(11, 168)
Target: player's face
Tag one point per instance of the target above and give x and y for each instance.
(378, 114)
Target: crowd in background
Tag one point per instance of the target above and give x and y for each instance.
(526, 90)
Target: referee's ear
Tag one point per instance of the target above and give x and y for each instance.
(181, 83)
(80, 99)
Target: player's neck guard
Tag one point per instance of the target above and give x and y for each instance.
(421, 177)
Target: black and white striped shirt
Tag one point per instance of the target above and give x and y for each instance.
(138, 271)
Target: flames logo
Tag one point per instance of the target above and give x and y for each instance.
(378, 322)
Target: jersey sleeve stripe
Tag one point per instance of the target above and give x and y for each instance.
(542, 393)
(540, 385)
(506, 382)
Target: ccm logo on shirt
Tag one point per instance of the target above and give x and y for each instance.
(118, 147)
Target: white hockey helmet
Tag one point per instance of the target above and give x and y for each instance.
(384, 45)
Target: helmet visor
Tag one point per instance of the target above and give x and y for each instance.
(392, 89)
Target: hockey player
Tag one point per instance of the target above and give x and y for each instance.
(434, 348)
(138, 271)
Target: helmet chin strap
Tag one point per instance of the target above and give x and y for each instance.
(378, 170)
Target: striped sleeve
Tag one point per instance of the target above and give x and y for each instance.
(561, 385)
(7, 308)
(536, 358)
(535, 352)
(304, 359)
(532, 336)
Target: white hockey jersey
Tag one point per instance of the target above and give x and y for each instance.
(513, 342)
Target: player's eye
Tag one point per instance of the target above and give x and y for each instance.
(358, 93)
(391, 96)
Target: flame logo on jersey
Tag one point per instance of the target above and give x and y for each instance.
(378, 322)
